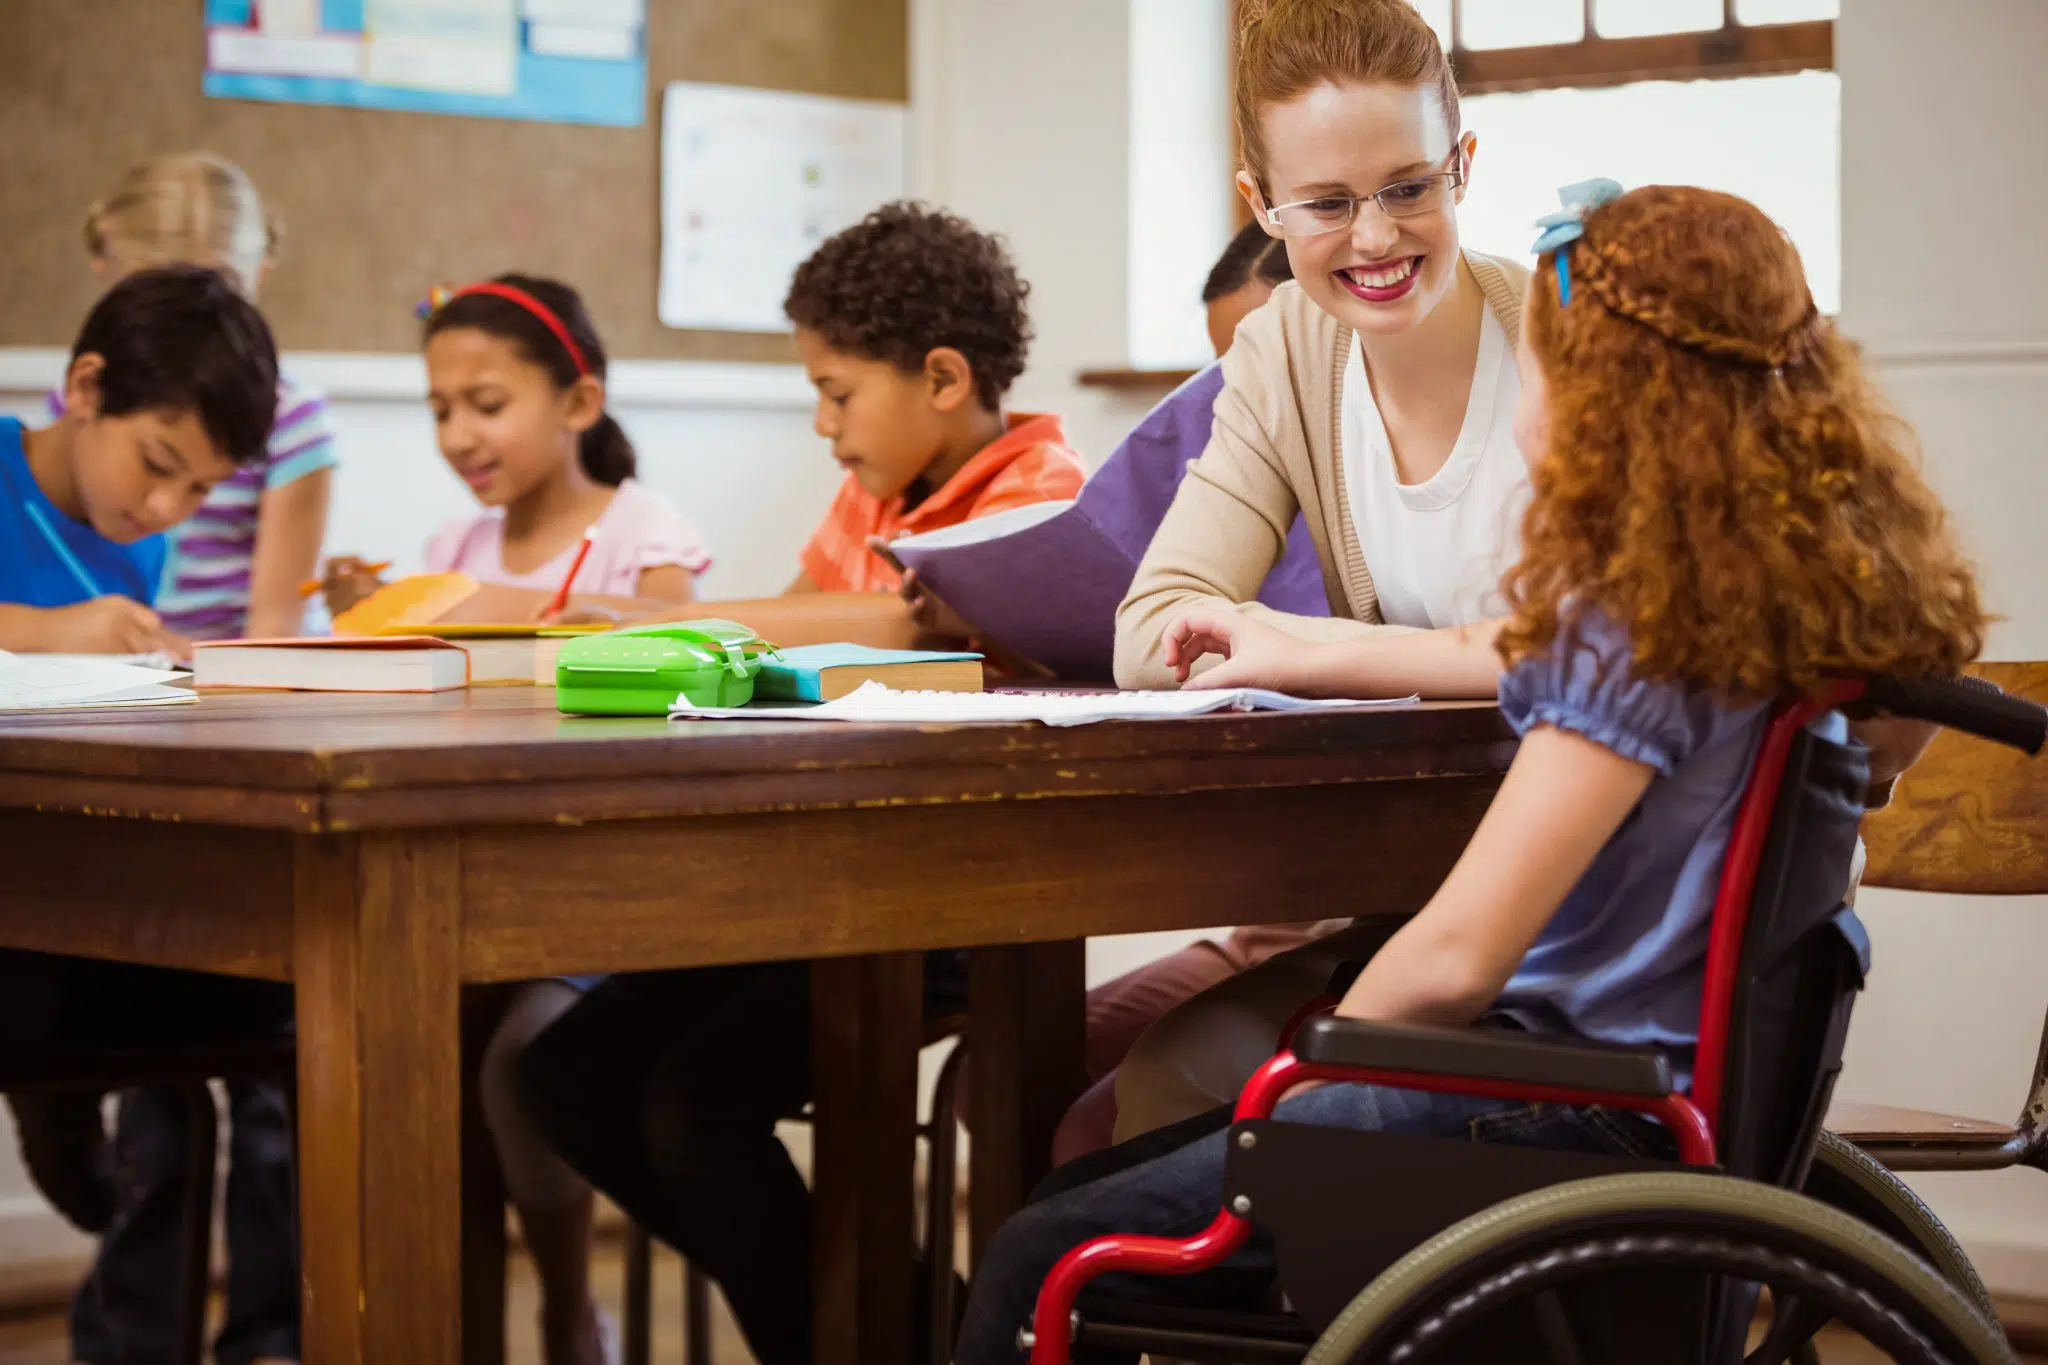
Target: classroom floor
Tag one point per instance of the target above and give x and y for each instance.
(41, 1341)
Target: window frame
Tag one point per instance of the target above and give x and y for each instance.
(1733, 50)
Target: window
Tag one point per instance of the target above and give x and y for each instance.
(1736, 95)
(1774, 140)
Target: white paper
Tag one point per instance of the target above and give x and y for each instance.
(582, 42)
(289, 18)
(631, 14)
(875, 702)
(468, 47)
(751, 182)
(334, 57)
(31, 682)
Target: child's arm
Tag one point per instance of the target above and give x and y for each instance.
(291, 521)
(1562, 800)
(1457, 662)
(104, 625)
(668, 583)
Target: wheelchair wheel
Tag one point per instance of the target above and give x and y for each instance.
(1820, 1264)
(1846, 1177)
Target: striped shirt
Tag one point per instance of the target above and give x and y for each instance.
(205, 590)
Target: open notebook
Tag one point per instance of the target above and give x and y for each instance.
(875, 703)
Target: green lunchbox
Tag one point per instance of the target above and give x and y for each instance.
(641, 671)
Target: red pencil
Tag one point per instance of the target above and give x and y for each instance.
(561, 597)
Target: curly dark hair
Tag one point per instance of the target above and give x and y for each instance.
(909, 278)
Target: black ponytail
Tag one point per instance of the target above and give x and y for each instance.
(604, 452)
(606, 455)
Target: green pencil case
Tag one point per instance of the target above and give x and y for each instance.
(642, 670)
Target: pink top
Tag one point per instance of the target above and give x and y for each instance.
(638, 530)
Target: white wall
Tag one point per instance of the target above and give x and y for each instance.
(1181, 195)
(1021, 123)
(1948, 292)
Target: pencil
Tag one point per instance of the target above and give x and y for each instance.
(561, 597)
(309, 586)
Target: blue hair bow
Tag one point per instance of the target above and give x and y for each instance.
(1568, 224)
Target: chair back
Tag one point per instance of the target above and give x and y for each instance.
(1971, 818)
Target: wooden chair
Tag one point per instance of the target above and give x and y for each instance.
(189, 1069)
(1969, 819)
(941, 1135)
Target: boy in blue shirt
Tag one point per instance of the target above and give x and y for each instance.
(172, 384)
(161, 403)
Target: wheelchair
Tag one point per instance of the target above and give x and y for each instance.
(1453, 1252)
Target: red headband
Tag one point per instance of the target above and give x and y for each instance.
(530, 304)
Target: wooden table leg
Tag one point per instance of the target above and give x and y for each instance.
(1027, 1031)
(866, 1023)
(375, 958)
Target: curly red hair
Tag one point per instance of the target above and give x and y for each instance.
(1721, 480)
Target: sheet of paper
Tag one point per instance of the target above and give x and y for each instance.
(874, 702)
(751, 182)
(468, 47)
(32, 682)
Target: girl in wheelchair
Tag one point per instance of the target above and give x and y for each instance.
(1724, 515)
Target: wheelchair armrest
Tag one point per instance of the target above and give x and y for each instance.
(1485, 1054)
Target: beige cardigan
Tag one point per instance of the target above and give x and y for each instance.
(1275, 449)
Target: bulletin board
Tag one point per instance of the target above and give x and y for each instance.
(377, 206)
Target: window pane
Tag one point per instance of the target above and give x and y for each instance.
(1786, 11)
(1774, 140)
(1638, 18)
(1523, 23)
(1438, 12)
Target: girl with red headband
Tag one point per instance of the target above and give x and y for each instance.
(516, 380)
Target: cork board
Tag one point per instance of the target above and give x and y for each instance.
(378, 206)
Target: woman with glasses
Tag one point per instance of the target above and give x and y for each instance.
(1375, 396)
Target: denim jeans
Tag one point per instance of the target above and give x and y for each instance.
(1169, 1183)
(127, 1311)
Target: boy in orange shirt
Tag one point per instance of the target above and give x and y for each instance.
(663, 1088)
(911, 324)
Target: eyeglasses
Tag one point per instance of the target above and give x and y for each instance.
(1402, 199)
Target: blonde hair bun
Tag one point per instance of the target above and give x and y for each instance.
(184, 207)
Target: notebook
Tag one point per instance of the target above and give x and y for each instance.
(828, 672)
(343, 664)
(1044, 580)
(874, 703)
(47, 682)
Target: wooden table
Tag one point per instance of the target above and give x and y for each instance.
(393, 856)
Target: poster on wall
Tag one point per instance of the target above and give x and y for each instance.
(560, 61)
(751, 182)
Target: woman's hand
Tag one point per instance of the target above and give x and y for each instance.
(1254, 654)
(347, 580)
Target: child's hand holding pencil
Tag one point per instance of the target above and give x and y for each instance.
(345, 581)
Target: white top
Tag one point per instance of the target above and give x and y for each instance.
(1436, 550)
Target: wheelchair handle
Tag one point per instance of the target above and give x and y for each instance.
(1971, 705)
